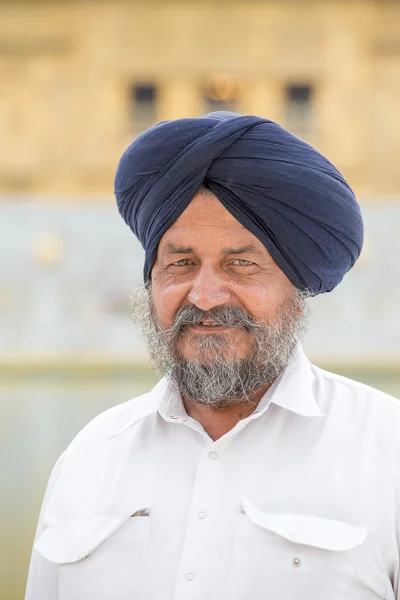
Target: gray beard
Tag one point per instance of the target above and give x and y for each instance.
(210, 379)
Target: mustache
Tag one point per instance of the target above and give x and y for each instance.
(232, 316)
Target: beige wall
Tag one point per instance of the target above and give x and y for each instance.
(66, 68)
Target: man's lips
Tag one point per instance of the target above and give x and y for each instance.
(208, 328)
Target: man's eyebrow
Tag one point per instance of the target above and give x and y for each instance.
(250, 249)
(172, 249)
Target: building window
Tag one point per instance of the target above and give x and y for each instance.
(299, 109)
(144, 103)
(221, 91)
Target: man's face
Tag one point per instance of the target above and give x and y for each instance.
(208, 260)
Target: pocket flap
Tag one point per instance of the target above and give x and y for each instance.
(73, 541)
(309, 530)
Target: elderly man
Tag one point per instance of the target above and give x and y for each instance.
(247, 473)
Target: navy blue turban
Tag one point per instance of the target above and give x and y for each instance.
(280, 188)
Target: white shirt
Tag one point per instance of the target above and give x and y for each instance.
(300, 501)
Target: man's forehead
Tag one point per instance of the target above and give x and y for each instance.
(205, 210)
(193, 248)
(207, 226)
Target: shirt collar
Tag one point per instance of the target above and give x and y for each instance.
(293, 391)
(137, 409)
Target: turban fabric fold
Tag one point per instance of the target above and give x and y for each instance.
(280, 188)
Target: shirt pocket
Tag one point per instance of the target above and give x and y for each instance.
(99, 558)
(280, 556)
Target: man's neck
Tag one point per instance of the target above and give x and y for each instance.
(218, 421)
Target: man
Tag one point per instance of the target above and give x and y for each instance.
(246, 473)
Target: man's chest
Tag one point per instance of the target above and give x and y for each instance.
(201, 520)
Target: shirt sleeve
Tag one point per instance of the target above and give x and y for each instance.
(42, 581)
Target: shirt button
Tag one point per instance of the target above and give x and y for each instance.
(81, 555)
(202, 514)
(213, 455)
(189, 576)
(296, 562)
(292, 537)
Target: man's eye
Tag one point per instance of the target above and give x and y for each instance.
(181, 263)
(241, 262)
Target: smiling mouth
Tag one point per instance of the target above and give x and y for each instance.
(207, 326)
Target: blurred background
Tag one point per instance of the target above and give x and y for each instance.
(79, 80)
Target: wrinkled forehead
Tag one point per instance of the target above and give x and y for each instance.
(207, 226)
(206, 210)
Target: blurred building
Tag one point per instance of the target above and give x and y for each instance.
(80, 79)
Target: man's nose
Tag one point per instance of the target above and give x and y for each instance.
(208, 289)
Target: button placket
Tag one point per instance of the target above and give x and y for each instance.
(201, 522)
